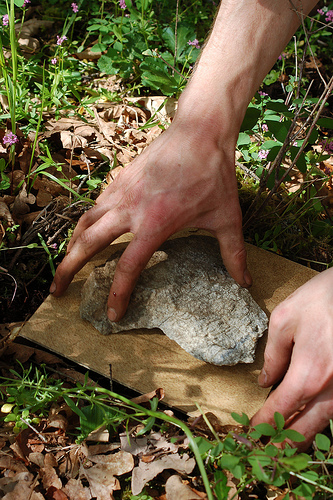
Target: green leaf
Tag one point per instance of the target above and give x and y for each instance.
(255, 435)
(305, 490)
(250, 119)
(217, 450)
(228, 461)
(294, 435)
(277, 105)
(279, 421)
(184, 34)
(70, 403)
(155, 75)
(323, 442)
(241, 419)
(149, 424)
(265, 429)
(98, 47)
(278, 129)
(272, 77)
(270, 144)
(229, 444)
(203, 445)
(325, 122)
(221, 489)
(271, 450)
(301, 162)
(297, 462)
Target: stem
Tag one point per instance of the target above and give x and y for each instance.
(306, 480)
(176, 38)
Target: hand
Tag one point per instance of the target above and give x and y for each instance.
(300, 352)
(182, 180)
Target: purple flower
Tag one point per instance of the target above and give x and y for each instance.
(25, 3)
(10, 138)
(329, 16)
(54, 60)
(5, 20)
(264, 127)
(327, 13)
(263, 154)
(75, 8)
(122, 4)
(327, 145)
(61, 39)
(195, 43)
(263, 94)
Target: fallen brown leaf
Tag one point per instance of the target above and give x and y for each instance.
(176, 490)
(50, 478)
(102, 483)
(55, 494)
(76, 491)
(145, 472)
(144, 398)
(22, 202)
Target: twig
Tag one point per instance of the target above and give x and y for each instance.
(43, 438)
(176, 39)
(325, 95)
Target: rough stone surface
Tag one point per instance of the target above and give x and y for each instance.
(186, 292)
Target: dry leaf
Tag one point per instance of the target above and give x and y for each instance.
(176, 490)
(102, 483)
(146, 472)
(154, 443)
(37, 458)
(88, 54)
(50, 478)
(22, 202)
(22, 488)
(117, 463)
(71, 141)
(55, 494)
(98, 449)
(75, 491)
(144, 398)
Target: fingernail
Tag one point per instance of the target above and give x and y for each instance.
(112, 315)
(247, 277)
(53, 287)
(262, 379)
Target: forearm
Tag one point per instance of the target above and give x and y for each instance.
(246, 40)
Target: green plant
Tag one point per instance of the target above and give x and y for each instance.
(254, 455)
(142, 48)
(33, 391)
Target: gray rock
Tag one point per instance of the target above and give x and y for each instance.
(186, 292)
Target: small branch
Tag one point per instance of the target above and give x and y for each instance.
(176, 39)
(43, 438)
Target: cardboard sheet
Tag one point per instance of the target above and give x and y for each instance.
(146, 360)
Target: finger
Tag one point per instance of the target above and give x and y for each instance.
(279, 346)
(91, 241)
(290, 395)
(233, 253)
(313, 418)
(130, 265)
(86, 220)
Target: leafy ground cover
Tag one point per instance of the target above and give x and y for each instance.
(85, 88)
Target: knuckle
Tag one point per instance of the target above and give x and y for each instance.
(85, 239)
(279, 316)
(126, 265)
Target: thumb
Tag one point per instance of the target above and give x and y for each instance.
(278, 349)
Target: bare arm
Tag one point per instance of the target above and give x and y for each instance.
(186, 178)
